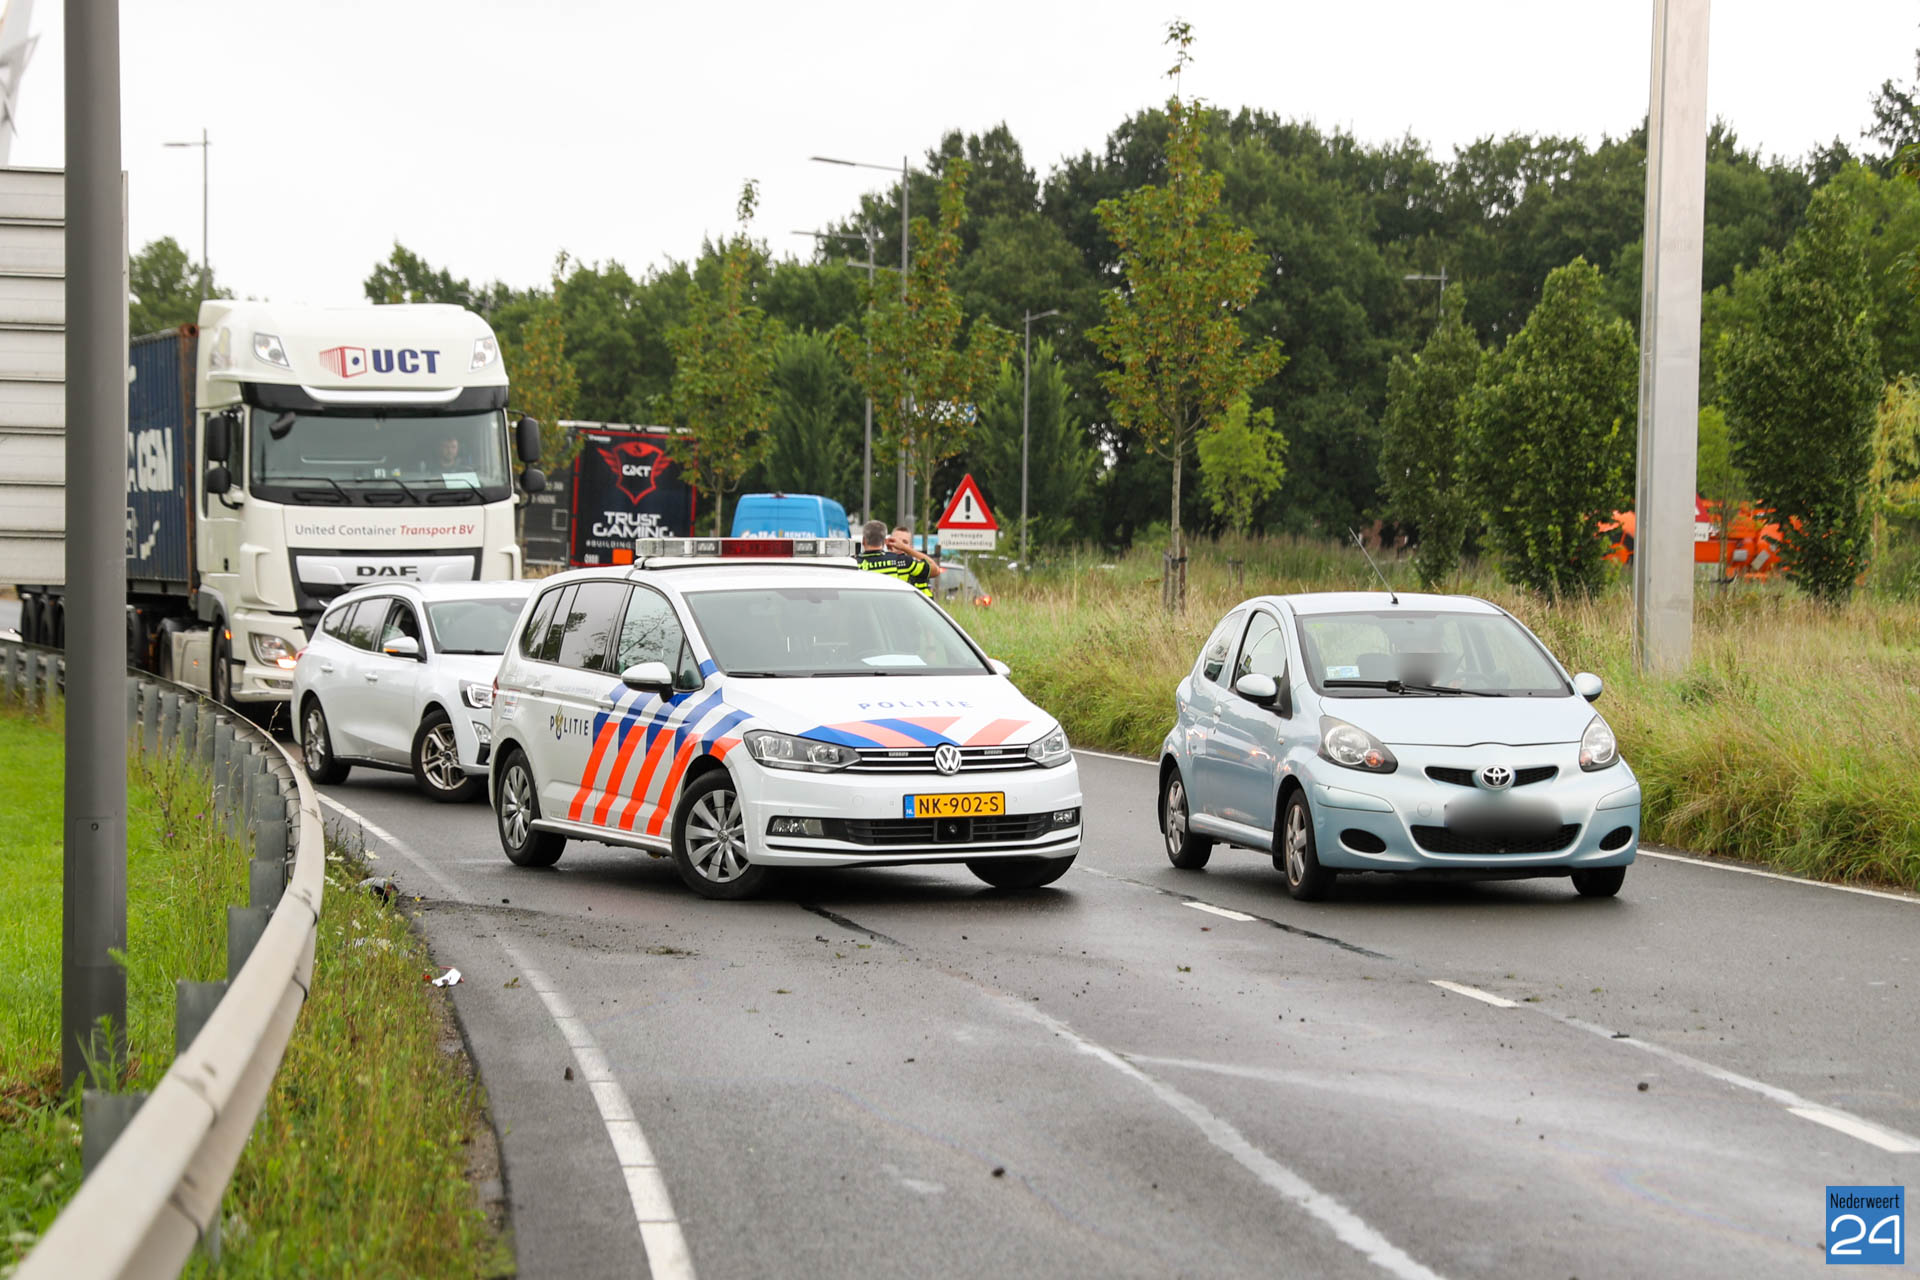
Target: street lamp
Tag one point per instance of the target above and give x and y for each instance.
(206, 267)
(903, 494)
(866, 448)
(1026, 398)
(1442, 278)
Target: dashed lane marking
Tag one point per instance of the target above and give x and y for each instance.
(1220, 911)
(1475, 993)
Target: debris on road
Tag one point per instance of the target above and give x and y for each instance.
(1643, 1086)
(447, 979)
(568, 1074)
(512, 982)
(381, 887)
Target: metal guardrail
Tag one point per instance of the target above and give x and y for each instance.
(157, 1191)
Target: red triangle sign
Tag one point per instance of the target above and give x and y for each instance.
(968, 510)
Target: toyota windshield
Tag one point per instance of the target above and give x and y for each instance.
(1407, 652)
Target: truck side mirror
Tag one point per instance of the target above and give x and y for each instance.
(219, 436)
(526, 439)
(218, 480)
(533, 480)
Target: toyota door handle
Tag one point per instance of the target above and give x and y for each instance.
(373, 677)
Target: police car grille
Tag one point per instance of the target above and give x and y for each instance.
(920, 760)
(908, 831)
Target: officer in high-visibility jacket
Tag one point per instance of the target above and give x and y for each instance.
(877, 556)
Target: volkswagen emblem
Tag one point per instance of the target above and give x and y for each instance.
(1496, 777)
(946, 758)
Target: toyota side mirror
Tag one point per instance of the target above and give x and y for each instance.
(999, 668)
(526, 439)
(402, 647)
(533, 480)
(219, 436)
(1588, 686)
(648, 677)
(219, 480)
(1261, 690)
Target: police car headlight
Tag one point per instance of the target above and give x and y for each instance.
(784, 751)
(1051, 750)
(476, 694)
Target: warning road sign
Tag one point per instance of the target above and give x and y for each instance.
(967, 524)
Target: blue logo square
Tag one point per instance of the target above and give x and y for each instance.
(1867, 1225)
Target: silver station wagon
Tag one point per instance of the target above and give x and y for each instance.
(1370, 731)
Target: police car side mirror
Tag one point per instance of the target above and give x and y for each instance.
(533, 480)
(999, 668)
(648, 677)
(526, 440)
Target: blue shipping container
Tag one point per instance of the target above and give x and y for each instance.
(159, 452)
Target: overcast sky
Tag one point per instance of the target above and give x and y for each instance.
(487, 135)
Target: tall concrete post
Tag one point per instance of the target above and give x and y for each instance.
(1670, 337)
(95, 898)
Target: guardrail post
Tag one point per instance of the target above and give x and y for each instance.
(205, 722)
(169, 719)
(133, 704)
(270, 831)
(150, 726)
(6, 672)
(189, 733)
(102, 1117)
(193, 1004)
(244, 927)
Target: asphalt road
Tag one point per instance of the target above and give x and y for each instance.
(901, 1073)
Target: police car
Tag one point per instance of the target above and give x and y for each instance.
(748, 703)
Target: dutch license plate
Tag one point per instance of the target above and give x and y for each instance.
(1506, 819)
(956, 804)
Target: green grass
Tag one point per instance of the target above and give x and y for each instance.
(1792, 739)
(358, 1164)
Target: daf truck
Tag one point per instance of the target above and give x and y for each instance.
(280, 455)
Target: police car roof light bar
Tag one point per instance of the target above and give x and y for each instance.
(744, 548)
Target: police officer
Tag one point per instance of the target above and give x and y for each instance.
(879, 555)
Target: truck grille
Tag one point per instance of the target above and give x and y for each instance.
(920, 760)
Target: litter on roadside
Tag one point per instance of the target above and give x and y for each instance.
(446, 979)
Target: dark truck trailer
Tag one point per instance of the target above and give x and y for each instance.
(624, 487)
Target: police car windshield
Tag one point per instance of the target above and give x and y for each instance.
(831, 631)
(387, 459)
(473, 626)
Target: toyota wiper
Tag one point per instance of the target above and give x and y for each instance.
(1401, 686)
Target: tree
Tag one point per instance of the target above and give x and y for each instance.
(1720, 483)
(1242, 460)
(1061, 459)
(544, 383)
(1550, 435)
(924, 382)
(723, 370)
(1171, 329)
(165, 288)
(1427, 398)
(1800, 383)
(814, 433)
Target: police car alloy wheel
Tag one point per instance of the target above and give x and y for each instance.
(516, 809)
(710, 840)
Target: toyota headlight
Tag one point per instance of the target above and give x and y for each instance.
(784, 751)
(1051, 750)
(1598, 750)
(1351, 747)
(476, 694)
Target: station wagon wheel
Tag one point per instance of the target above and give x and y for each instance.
(1185, 850)
(436, 761)
(316, 747)
(710, 840)
(1307, 880)
(516, 807)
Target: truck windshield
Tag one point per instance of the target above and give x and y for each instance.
(387, 458)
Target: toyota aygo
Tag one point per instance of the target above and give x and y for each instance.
(744, 704)
(1381, 732)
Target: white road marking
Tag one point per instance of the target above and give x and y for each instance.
(1871, 1134)
(1346, 1225)
(1713, 865)
(446, 886)
(1222, 911)
(1475, 993)
(1108, 755)
(667, 1254)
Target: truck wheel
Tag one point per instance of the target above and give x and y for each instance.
(30, 618)
(316, 747)
(220, 679)
(436, 762)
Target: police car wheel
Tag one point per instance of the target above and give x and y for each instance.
(436, 762)
(1020, 873)
(316, 747)
(516, 807)
(710, 840)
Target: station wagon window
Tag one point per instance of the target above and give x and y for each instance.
(368, 616)
(402, 621)
(535, 632)
(1219, 646)
(586, 630)
(335, 623)
(651, 632)
(1264, 651)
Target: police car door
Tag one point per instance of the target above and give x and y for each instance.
(656, 736)
(574, 683)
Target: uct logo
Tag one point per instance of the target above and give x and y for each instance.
(351, 362)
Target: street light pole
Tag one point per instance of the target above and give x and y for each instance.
(866, 447)
(206, 265)
(1026, 401)
(1442, 278)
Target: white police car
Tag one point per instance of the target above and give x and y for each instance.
(747, 703)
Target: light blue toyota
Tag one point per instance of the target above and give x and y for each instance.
(1344, 732)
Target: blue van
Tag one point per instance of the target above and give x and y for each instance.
(789, 515)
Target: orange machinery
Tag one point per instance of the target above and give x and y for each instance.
(1753, 541)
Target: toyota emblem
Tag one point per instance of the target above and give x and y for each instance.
(1496, 777)
(946, 758)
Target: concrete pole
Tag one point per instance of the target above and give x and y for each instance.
(1026, 413)
(95, 895)
(866, 447)
(1670, 337)
(903, 481)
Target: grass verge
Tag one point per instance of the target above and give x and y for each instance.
(359, 1164)
(1792, 739)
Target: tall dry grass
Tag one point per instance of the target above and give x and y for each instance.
(1791, 739)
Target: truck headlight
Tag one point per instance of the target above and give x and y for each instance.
(1598, 750)
(784, 751)
(1351, 747)
(272, 651)
(1052, 749)
(475, 694)
(485, 352)
(267, 348)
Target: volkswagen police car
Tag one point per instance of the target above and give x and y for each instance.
(747, 703)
